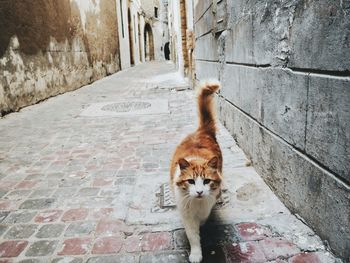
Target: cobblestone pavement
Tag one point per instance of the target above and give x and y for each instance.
(80, 182)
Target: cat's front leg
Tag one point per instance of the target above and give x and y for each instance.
(192, 232)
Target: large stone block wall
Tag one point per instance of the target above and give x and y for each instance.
(48, 47)
(285, 97)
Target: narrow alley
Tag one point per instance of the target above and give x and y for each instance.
(84, 179)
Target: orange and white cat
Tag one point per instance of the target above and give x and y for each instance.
(196, 171)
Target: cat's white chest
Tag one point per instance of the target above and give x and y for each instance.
(194, 209)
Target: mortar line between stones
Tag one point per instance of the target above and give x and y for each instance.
(240, 64)
(302, 153)
(342, 75)
(210, 61)
(203, 13)
(307, 109)
(204, 34)
(328, 73)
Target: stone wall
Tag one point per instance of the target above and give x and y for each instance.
(285, 73)
(48, 47)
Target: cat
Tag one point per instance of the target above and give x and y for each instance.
(196, 170)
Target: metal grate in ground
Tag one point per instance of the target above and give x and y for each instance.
(126, 106)
(166, 198)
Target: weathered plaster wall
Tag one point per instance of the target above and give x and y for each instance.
(124, 37)
(285, 72)
(142, 40)
(148, 6)
(175, 34)
(136, 39)
(122, 18)
(180, 31)
(48, 47)
(160, 38)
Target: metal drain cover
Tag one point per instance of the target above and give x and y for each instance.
(126, 106)
(166, 199)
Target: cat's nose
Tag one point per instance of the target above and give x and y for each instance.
(199, 192)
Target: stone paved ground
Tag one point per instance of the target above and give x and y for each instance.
(83, 188)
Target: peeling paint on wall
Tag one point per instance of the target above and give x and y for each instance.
(86, 7)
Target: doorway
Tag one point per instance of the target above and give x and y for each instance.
(149, 44)
(167, 51)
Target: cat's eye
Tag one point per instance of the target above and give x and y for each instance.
(190, 181)
(206, 181)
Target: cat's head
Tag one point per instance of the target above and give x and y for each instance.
(199, 178)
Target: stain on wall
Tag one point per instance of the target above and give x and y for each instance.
(48, 47)
(34, 23)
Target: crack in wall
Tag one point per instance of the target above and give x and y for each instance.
(307, 110)
(305, 71)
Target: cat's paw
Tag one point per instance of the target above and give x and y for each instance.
(196, 256)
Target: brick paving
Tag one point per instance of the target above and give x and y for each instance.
(77, 188)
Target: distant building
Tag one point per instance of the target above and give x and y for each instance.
(157, 18)
(180, 16)
(143, 31)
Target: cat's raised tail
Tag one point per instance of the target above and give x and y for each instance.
(206, 109)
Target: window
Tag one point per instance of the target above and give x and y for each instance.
(121, 16)
(156, 12)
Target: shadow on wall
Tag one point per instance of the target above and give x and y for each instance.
(34, 22)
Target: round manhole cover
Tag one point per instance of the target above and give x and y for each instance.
(126, 106)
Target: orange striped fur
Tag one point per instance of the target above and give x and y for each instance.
(201, 144)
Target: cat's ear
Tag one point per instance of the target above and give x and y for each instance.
(183, 164)
(213, 162)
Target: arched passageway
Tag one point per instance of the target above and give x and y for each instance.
(167, 51)
(149, 44)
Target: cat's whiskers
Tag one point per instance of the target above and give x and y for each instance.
(191, 201)
(206, 199)
(188, 200)
(185, 198)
